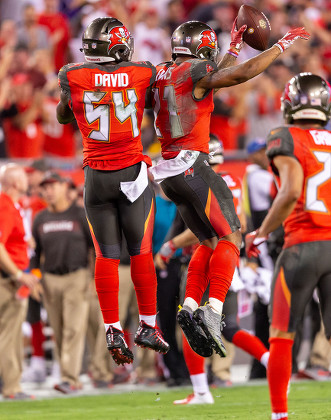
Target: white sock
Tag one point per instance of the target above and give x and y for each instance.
(265, 359)
(116, 325)
(200, 383)
(216, 305)
(37, 362)
(278, 416)
(191, 303)
(149, 319)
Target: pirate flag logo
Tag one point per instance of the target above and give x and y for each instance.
(118, 36)
(208, 39)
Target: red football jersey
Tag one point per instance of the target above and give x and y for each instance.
(12, 233)
(311, 217)
(182, 121)
(108, 103)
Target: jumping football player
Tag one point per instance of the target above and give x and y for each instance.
(300, 155)
(106, 96)
(183, 102)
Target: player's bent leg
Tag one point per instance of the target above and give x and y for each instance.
(107, 286)
(279, 371)
(144, 279)
(197, 281)
(221, 270)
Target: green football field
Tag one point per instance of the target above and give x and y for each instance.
(308, 400)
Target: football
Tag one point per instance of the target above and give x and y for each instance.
(257, 34)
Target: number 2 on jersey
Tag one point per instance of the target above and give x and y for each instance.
(317, 180)
(101, 113)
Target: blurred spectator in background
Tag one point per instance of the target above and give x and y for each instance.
(151, 42)
(13, 259)
(62, 248)
(175, 15)
(24, 131)
(29, 32)
(58, 27)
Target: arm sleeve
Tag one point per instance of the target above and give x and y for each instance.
(64, 81)
(200, 68)
(279, 142)
(35, 259)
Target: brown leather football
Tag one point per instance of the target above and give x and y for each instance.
(257, 34)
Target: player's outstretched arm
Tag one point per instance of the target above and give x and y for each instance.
(291, 180)
(252, 67)
(64, 113)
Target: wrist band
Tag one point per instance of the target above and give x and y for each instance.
(234, 54)
(280, 47)
(18, 275)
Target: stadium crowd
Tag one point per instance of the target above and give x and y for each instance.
(37, 38)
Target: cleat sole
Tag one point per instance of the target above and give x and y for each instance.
(121, 358)
(197, 342)
(221, 351)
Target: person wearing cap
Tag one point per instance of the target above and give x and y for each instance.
(13, 261)
(63, 242)
(258, 193)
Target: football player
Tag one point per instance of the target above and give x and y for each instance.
(183, 102)
(300, 155)
(232, 332)
(106, 96)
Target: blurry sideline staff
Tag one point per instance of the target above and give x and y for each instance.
(13, 259)
(63, 241)
(259, 190)
(299, 153)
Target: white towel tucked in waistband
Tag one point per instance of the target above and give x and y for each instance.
(172, 167)
(134, 189)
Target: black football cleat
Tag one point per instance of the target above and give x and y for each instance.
(193, 332)
(151, 338)
(117, 346)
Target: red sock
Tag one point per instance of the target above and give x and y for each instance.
(107, 286)
(249, 343)
(279, 373)
(197, 279)
(144, 280)
(195, 363)
(37, 339)
(221, 269)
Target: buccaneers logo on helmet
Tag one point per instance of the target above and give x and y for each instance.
(117, 36)
(208, 39)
